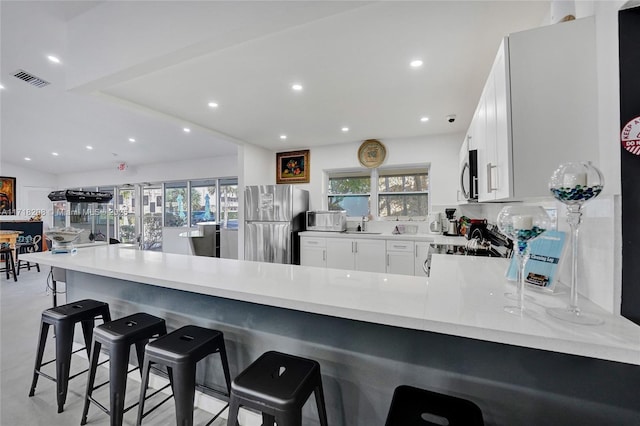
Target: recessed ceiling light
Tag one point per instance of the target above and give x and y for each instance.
(186, 129)
(424, 119)
(53, 59)
(283, 137)
(55, 154)
(27, 159)
(1, 87)
(297, 87)
(89, 147)
(416, 63)
(132, 140)
(345, 129)
(212, 105)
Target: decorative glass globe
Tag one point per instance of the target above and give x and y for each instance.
(522, 224)
(576, 183)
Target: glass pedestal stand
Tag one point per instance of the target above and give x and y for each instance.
(572, 312)
(522, 256)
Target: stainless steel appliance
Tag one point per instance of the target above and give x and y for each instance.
(274, 214)
(333, 221)
(452, 227)
(469, 176)
(434, 223)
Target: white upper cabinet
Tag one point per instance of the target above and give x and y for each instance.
(538, 109)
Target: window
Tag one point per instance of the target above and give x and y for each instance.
(228, 203)
(175, 204)
(403, 194)
(350, 193)
(204, 201)
(395, 192)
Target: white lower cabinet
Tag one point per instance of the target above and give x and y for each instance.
(313, 252)
(356, 254)
(421, 256)
(364, 254)
(400, 257)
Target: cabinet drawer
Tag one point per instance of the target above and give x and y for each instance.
(400, 246)
(313, 242)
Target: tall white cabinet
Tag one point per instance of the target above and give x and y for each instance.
(537, 110)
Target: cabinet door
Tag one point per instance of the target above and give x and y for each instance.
(421, 254)
(370, 255)
(340, 253)
(400, 256)
(502, 122)
(313, 252)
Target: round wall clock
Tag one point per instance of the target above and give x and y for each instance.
(372, 153)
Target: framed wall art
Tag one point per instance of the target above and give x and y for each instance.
(293, 167)
(7, 195)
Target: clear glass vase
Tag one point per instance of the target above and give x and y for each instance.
(521, 224)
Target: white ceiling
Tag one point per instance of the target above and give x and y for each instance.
(148, 69)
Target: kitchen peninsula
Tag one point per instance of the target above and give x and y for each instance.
(372, 332)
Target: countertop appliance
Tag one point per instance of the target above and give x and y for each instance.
(330, 221)
(452, 227)
(274, 215)
(469, 174)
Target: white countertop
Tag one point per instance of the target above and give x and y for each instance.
(463, 297)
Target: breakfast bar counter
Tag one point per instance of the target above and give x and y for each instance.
(372, 332)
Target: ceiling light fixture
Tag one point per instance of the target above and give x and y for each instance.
(132, 140)
(416, 63)
(212, 105)
(89, 147)
(424, 119)
(283, 137)
(53, 59)
(1, 87)
(55, 154)
(186, 129)
(27, 159)
(297, 87)
(345, 129)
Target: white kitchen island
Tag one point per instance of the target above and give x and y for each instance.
(372, 332)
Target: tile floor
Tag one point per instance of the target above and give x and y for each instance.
(21, 305)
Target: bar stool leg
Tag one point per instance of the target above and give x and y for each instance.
(143, 390)
(140, 353)
(322, 409)
(87, 332)
(184, 393)
(234, 407)
(118, 364)
(44, 331)
(225, 365)
(64, 347)
(290, 418)
(93, 366)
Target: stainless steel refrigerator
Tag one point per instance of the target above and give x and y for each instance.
(274, 214)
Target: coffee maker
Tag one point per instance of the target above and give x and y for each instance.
(452, 226)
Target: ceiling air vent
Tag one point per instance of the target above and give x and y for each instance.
(30, 78)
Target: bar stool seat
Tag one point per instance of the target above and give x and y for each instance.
(64, 318)
(418, 407)
(278, 385)
(117, 337)
(24, 248)
(6, 256)
(180, 351)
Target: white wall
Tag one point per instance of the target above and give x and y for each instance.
(32, 188)
(441, 151)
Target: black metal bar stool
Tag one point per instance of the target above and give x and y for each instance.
(24, 248)
(64, 318)
(278, 385)
(418, 407)
(180, 351)
(6, 256)
(117, 337)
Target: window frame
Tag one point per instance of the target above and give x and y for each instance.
(374, 192)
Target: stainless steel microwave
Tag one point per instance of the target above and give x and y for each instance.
(331, 221)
